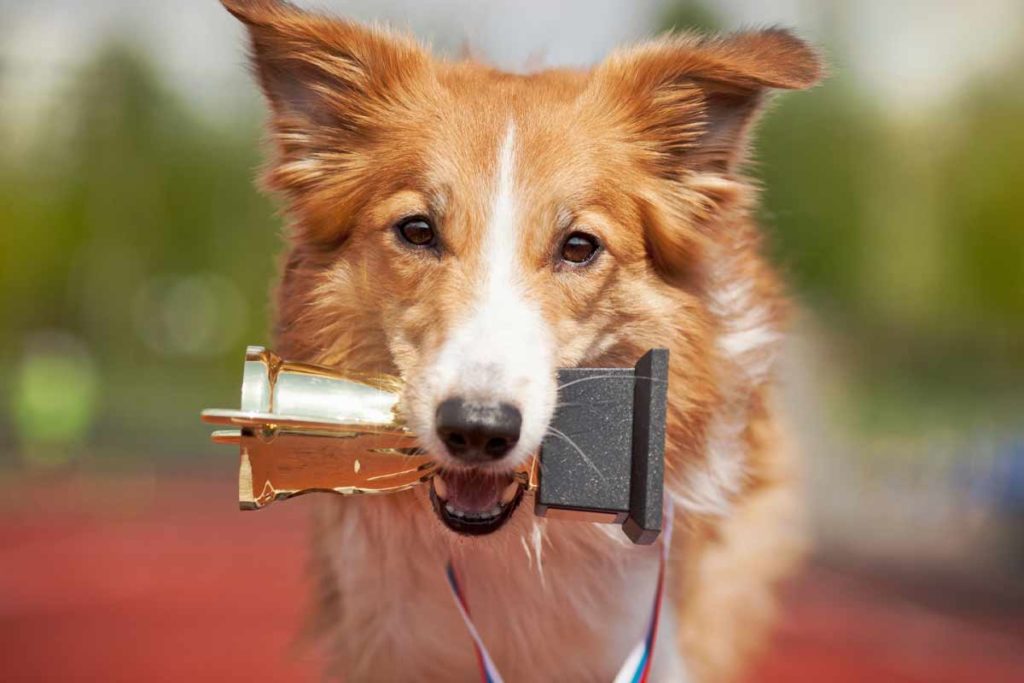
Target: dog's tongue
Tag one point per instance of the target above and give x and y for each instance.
(474, 491)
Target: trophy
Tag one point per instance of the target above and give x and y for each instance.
(304, 428)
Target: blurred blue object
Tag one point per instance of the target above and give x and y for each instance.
(1000, 486)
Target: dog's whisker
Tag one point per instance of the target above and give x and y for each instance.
(526, 549)
(623, 377)
(538, 550)
(562, 435)
(576, 404)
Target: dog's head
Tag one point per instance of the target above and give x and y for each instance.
(475, 230)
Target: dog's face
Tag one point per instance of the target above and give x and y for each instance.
(474, 230)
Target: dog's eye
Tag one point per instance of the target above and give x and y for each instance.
(579, 248)
(417, 231)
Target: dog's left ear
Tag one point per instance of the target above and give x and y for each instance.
(690, 101)
(685, 105)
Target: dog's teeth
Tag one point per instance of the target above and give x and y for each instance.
(440, 488)
(473, 515)
(509, 493)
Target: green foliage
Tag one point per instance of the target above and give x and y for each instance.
(128, 195)
(984, 213)
(907, 239)
(54, 402)
(815, 156)
(687, 16)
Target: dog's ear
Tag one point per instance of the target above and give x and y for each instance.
(685, 105)
(331, 85)
(691, 100)
(324, 69)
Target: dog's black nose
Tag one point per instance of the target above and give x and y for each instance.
(478, 432)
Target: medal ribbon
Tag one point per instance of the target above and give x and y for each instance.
(637, 666)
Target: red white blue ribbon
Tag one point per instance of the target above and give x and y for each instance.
(637, 666)
(488, 672)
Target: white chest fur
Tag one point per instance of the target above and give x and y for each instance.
(564, 601)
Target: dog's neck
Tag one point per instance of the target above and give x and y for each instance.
(552, 596)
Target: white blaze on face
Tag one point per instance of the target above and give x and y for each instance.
(501, 350)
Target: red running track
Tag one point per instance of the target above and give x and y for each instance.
(106, 579)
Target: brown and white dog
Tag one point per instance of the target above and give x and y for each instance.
(472, 231)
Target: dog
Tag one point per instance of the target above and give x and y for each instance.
(473, 230)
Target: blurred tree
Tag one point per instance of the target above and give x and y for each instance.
(983, 209)
(689, 16)
(131, 193)
(815, 157)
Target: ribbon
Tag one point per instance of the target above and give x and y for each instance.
(637, 666)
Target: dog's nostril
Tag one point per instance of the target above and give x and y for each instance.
(497, 447)
(478, 432)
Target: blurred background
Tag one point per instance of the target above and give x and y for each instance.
(136, 260)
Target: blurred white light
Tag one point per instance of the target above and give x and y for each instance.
(197, 315)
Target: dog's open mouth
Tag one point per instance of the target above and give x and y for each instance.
(475, 502)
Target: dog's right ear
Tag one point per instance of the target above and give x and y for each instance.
(331, 85)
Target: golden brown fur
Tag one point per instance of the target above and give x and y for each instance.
(645, 150)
